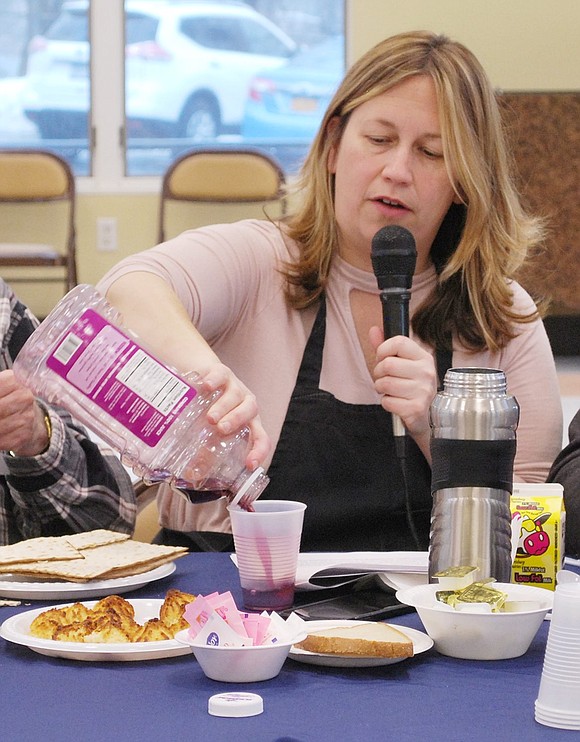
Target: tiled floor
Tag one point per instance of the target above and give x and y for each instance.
(569, 376)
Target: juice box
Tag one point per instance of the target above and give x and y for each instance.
(539, 524)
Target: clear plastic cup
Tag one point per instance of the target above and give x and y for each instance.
(562, 660)
(558, 719)
(558, 702)
(564, 652)
(566, 608)
(267, 543)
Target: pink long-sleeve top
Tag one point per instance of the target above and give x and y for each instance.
(227, 278)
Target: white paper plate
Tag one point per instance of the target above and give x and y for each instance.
(16, 629)
(421, 643)
(18, 586)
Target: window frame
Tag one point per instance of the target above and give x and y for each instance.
(107, 125)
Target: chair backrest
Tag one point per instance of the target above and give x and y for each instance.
(227, 176)
(37, 228)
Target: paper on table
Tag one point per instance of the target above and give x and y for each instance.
(402, 580)
(365, 562)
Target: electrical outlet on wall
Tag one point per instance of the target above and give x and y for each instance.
(106, 233)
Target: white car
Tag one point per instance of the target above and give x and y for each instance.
(188, 68)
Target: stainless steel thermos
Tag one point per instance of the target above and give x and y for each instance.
(473, 444)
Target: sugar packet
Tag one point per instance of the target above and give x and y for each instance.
(214, 619)
(207, 626)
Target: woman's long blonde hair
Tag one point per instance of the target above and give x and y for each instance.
(482, 241)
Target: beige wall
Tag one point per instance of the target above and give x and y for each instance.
(524, 45)
(137, 217)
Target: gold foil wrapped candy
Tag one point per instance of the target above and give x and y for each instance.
(477, 593)
(455, 578)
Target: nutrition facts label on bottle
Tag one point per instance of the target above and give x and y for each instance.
(152, 381)
(118, 376)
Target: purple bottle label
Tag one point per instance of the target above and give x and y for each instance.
(118, 376)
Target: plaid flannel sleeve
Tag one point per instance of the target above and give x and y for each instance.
(74, 485)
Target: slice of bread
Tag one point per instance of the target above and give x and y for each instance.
(363, 640)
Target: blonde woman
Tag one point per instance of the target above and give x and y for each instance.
(285, 318)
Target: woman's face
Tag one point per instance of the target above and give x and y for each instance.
(389, 169)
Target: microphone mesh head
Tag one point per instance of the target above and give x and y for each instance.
(394, 256)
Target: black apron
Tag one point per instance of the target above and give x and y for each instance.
(340, 459)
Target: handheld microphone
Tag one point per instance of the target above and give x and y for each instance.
(393, 256)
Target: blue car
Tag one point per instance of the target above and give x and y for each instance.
(285, 106)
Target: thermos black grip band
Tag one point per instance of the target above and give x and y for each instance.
(461, 463)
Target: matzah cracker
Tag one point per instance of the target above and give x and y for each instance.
(117, 572)
(133, 557)
(43, 548)
(90, 539)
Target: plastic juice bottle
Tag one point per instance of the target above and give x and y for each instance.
(82, 358)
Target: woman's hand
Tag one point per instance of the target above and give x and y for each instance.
(22, 426)
(235, 408)
(406, 378)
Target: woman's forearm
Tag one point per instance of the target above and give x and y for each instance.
(151, 309)
(154, 313)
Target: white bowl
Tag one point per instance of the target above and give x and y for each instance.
(239, 664)
(481, 636)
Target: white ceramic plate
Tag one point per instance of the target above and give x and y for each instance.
(16, 629)
(18, 586)
(421, 643)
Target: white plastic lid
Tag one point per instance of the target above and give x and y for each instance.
(235, 704)
(251, 479)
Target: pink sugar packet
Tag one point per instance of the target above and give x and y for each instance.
(210, 596)
(256, 626)
(217, 633)
(206, 626)
(225, 606)
(214, 619)
(197, 614)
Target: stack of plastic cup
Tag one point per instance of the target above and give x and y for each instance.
(558, 702)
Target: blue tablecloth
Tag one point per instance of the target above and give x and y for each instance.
(430, 697)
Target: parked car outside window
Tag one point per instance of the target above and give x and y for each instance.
(188, 66)
(285, 105)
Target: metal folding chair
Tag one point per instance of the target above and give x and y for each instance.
(37, 200)
(227, 176)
